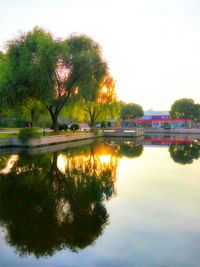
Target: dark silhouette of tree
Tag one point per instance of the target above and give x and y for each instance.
(184, 153)
(51, 202)
(130, 149)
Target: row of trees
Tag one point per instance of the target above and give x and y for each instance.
(181, 108)
(38, 69)
(40, 75)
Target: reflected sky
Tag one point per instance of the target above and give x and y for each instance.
(154, 217)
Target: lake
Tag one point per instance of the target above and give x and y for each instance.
(111, 203)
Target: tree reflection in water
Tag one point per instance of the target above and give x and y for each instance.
(56, 201)
(185, 153)
(131, 149)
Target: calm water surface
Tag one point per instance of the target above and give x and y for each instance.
(109, 204)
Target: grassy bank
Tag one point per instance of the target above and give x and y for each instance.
(7, 134)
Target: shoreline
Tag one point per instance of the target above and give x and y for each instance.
(13, 142)
(45, 141)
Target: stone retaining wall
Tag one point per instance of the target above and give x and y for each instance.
(60, 139)
(46, 140)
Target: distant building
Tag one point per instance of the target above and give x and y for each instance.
(162, 119)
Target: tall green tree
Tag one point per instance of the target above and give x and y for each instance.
(91, 112)
(2, 72)
(52, 71)
(33, 110)
(185, 108)
(104, 102)
(131, 111)
(102, 107)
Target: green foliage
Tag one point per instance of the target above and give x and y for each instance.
(31, 58)
(74, 127)
(83, 56)
(31, 70)
(109, 111)
(91, 111)
(131, 111)
(63, 127)
(185, 108)
(103, 124)
(33, 110)
(73, 111)
(27, 133)
(3, 70)
(108, 124)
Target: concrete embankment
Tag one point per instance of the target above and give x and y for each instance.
(45, 149)
(66, 138)
(47, 140)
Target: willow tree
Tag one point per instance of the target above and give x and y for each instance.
(33, 111)
(2, 71)
(103, 103)
(99, 107)
(52, 71)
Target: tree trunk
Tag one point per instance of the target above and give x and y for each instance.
(33, 117)
(92, 114)
(91, 122)
(54, 117)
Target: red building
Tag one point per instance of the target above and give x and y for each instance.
(162, 120)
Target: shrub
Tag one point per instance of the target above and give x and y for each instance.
(109, 124)
(74, 127)
(63, 127)
(25, 134)
(103, 124)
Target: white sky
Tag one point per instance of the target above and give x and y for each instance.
(152, 46)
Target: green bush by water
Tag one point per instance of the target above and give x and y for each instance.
(63, 127)
(103, 124)
(74, 127)
(27, 133)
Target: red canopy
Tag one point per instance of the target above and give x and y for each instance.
(163, 120)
